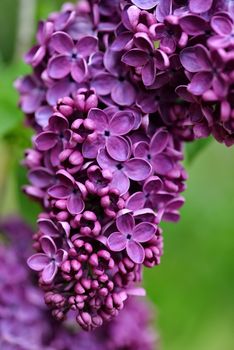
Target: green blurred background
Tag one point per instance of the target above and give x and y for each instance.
(193, 288)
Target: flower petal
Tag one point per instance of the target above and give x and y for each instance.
(136, 201)
(118, 148)
(122, 122)
(103, 83)
(59, 67)
(162, 164)
(137, 169)
(149, 73)
(59, 191)
(105, 161)
(221, 25)
(120, 182)
(159, 141)
(193, 24)
(61, 256)
(123, 93)
(145, 4)
(62, 43)
(200, 6)
(135, 58)
(40, 177)
(99, 118)
(48, 246)
(141, 149)
(117, 242)
(75, 204)
(144, 232)
(49, 272)
(48, 228)
(200, 83)
(46, 140)
(125, 223)
(135, 252)
(37, 262)
(87, 46)
(79, 70)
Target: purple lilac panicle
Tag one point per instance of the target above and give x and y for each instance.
(82, 265)
(25, 323)
(116, 88)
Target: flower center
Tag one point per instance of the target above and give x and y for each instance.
(107, 133)
(129, 236)
(119, 166)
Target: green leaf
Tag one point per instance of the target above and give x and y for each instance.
(194, 148)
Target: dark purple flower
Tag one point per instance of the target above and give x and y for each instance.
(49, 261)
(146, 57)
(37, 53)
(110, 134)
(146, 198)
(71, 58)
(208, 69)
(135, 169)
(73, 192)
(169, 35)
(57, 136)
(130, 236)
(115, 82)
(98, 180)
(32, 93)
(153, 152)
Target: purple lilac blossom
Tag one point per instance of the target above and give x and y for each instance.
(116, 89)
(88, 261)
(25, 323)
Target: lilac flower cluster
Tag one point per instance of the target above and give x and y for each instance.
(170, 59)
(26, 325)
(116, 88)
(104, 186)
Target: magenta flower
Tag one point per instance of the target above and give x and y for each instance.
(55, 138)
(38, 52)
(130, 237)
(71, 58)
(154, 153)
(147, 198)
(49, 261)
(208, 69)
(146, 57)
(135, 169)
(110, 134)
(73, 192)
(114, 82)
(169, 35)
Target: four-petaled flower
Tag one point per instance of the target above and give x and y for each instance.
(110, 132)
(130, 237)
(71, 58)
(49, 261)
(70, 190)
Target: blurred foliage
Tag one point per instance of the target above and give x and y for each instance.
(193, 149)
(193, 288)
(8, 28)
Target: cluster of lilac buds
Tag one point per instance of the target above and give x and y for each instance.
(26, 324)
(116, 88)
